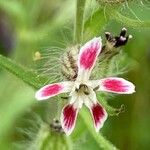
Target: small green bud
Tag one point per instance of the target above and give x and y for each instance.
(52, 137)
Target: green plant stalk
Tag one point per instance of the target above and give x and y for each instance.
(101, 141)
(79, 21)
(27, 76)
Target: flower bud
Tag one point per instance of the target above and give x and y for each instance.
(69, 67)
(52, 137)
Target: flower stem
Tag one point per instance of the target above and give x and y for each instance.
(79, 23)
(101, 141)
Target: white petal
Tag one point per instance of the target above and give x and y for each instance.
(68, 118)
(54, 89)
(98, 113)
(113, 85)
(87, 57)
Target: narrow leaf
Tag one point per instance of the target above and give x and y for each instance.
(29, 77)
(130, 22)
(94, 24)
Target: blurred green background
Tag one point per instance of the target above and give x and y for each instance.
(29, 26)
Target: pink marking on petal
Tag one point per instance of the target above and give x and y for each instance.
(51, 90)
(99, 115)
(89, 52)
(68, 118)
(117, 85)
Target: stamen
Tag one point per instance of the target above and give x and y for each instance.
(96, 88)
(64, 97)
(83, 89)
(86, 93)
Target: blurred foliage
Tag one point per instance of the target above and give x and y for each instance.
(29, 26)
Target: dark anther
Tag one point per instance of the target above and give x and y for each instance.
(86, 93)
(96, 88)
(64, 97)
(76, 90)
(83, 89)
(82, 85)
(57, 121)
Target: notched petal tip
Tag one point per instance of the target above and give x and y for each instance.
(68, 118)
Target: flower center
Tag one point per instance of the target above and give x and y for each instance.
(83, 89)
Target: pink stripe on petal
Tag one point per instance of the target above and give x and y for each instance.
(117, 85)
(99, 115)
(52, 90)
(68, 118)
(88, 54)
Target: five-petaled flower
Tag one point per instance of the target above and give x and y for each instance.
(82, 90)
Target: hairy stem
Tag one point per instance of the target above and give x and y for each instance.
(101, 141)
(79, 23)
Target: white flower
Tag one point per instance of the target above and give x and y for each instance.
(82, 90)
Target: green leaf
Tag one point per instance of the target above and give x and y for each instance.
(29, 77)
(95, 24)
(130, 22)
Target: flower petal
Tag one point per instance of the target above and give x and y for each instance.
(99, 114)
(114, 85)
(51, 90)
(87, 57)
(68, 118)
(117, 85)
